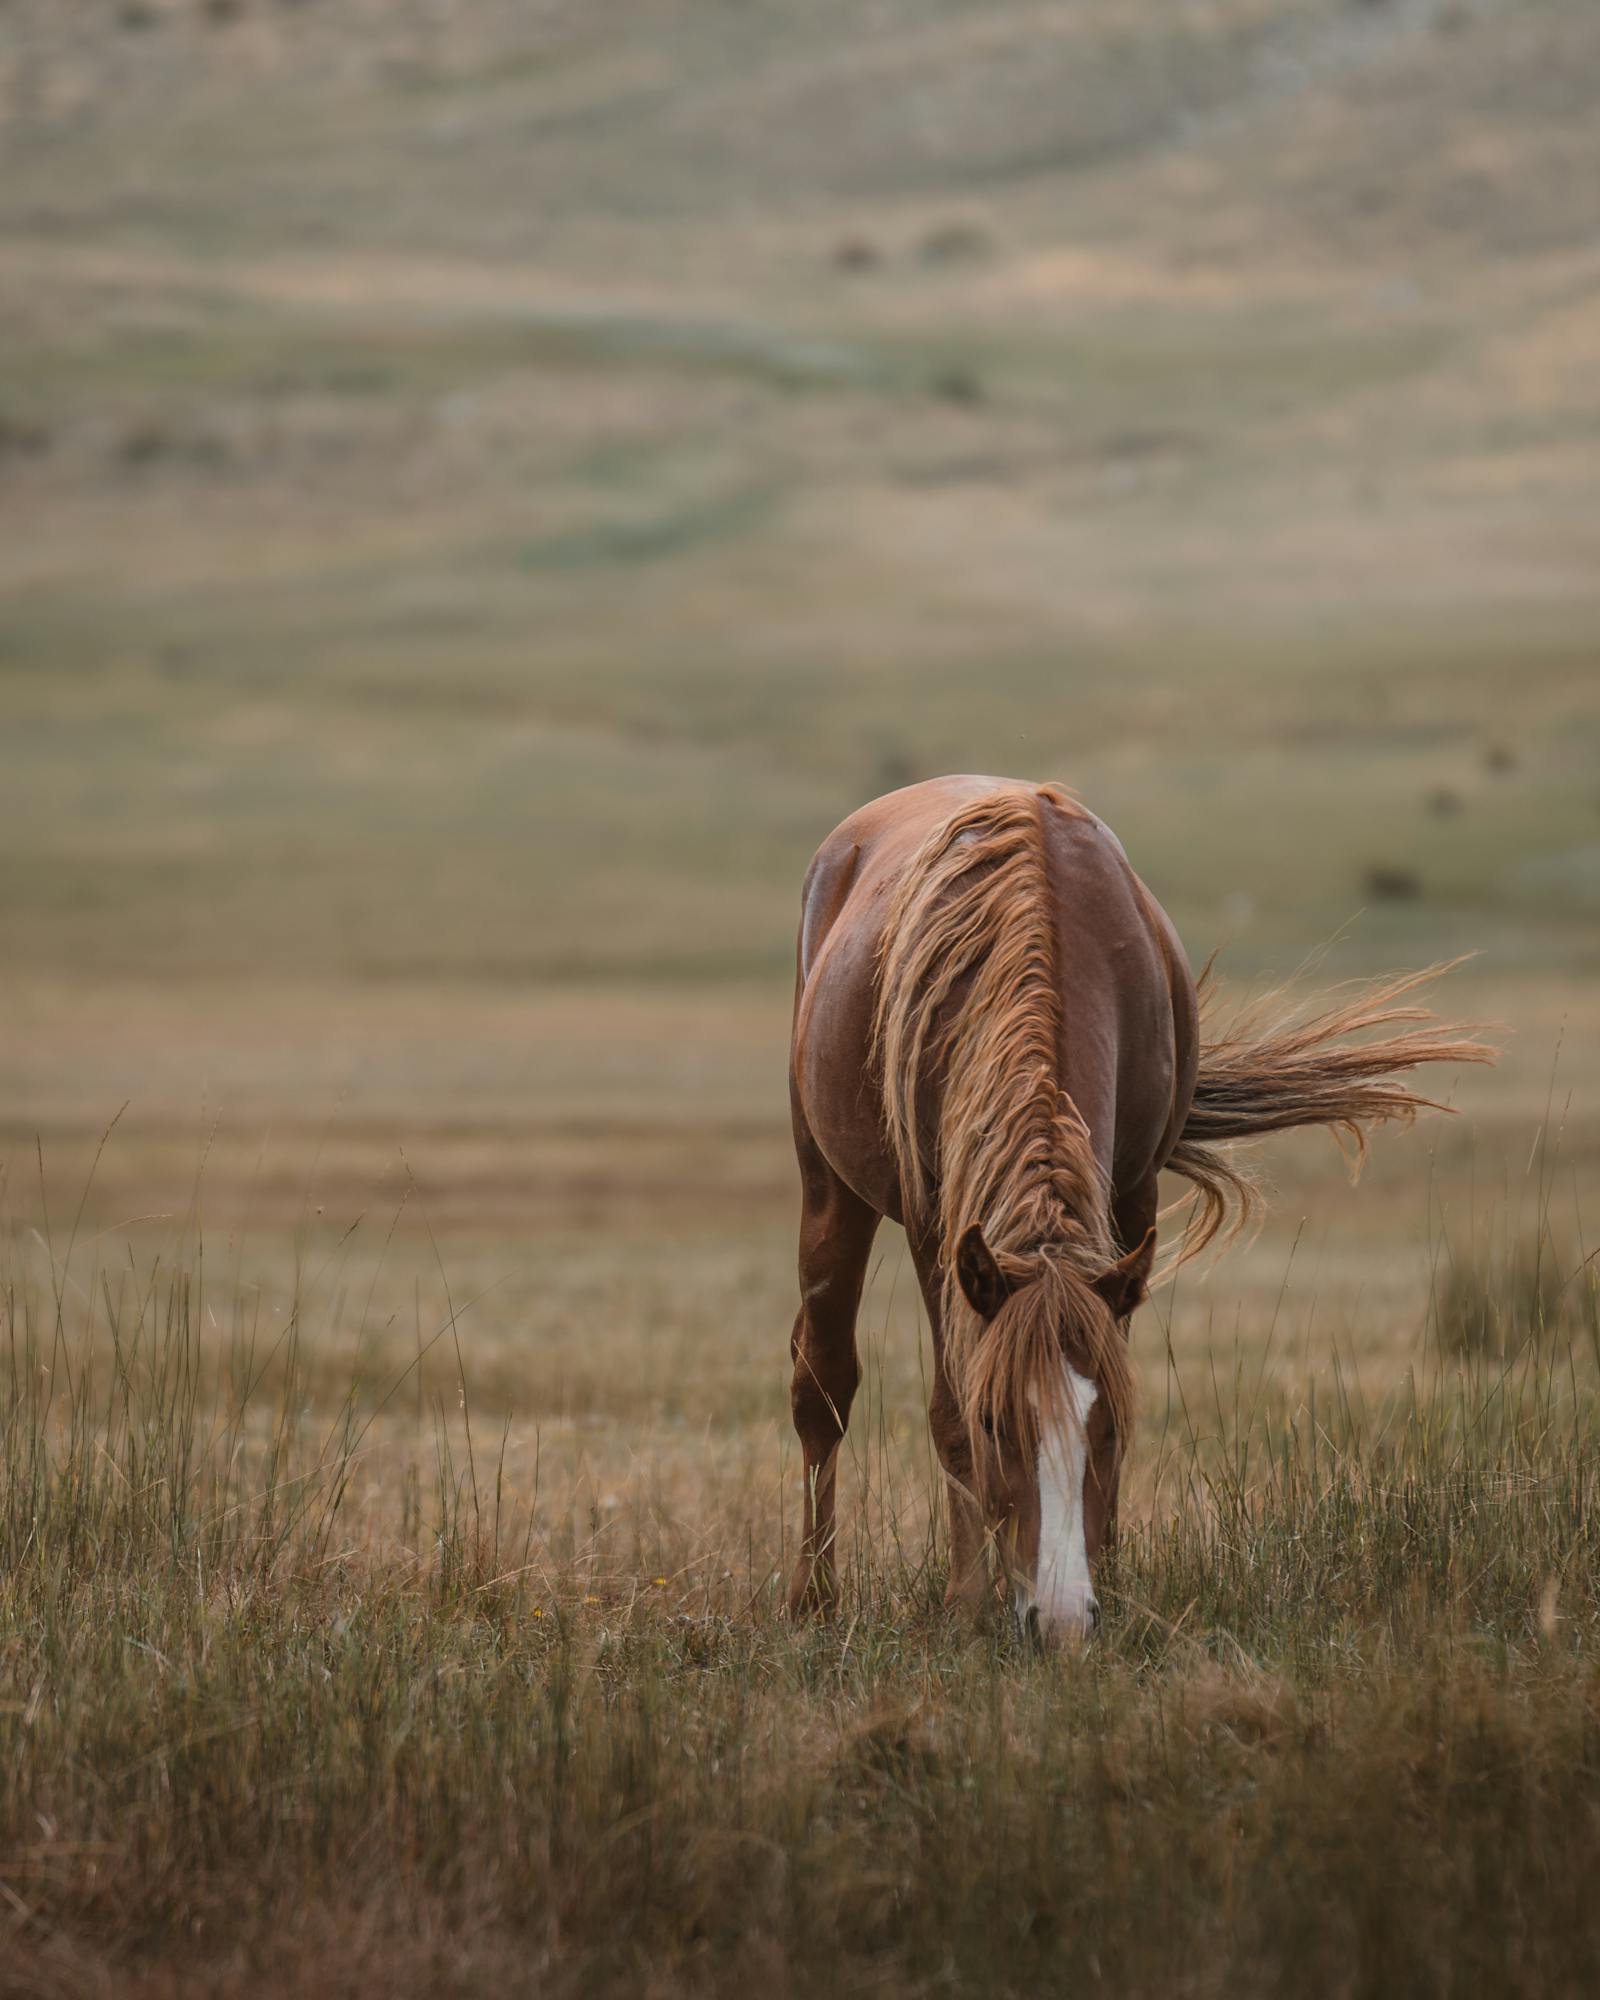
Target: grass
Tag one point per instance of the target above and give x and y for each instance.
(1503, 1300)
(311, 1677)
(481, 492)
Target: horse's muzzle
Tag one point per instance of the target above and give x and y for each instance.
(1076, 1627)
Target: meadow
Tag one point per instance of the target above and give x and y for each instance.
(483, 489)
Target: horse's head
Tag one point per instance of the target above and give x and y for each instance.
(1047, 1396)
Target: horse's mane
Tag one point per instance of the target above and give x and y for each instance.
(968, 1009)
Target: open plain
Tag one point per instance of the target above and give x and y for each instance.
(483, 489)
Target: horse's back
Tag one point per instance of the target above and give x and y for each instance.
(1126, 994)
(1128, 1010)
(874, 845)
(847, 891)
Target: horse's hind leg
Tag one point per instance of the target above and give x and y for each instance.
(836, 1232)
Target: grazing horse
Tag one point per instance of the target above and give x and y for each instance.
(997, 1043)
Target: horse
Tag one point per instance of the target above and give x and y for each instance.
(998, 1043)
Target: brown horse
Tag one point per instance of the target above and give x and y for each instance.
(997, 1043)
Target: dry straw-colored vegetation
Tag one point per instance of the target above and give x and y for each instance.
(310, 1690)
(483, 487)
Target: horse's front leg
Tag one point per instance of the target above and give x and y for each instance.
(1132, 1214)
(968, 1589)
(836, 1232)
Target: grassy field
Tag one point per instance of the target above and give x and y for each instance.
(326, 1670)
(483, 489)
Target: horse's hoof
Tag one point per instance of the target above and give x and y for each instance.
(812, 1595)
(973, 1605)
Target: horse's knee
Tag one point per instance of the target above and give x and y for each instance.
(821, 1392)
(820, 1410)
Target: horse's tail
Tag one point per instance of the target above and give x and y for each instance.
(968, 1015)
(1271, 1069)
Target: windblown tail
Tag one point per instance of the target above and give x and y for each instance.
(1262, 1076)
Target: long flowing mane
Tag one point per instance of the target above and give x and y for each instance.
(969, 1017)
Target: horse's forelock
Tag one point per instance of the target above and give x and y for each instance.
(1010, 1372)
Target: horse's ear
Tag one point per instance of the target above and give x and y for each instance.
(978, 1274)
(1125, 1284)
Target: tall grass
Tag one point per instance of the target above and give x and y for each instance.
(294, 1697)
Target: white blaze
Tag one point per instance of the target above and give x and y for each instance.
(1063, 1590)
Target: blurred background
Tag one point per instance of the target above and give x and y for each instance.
(485, 485)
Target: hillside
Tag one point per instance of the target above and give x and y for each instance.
(481, 490)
